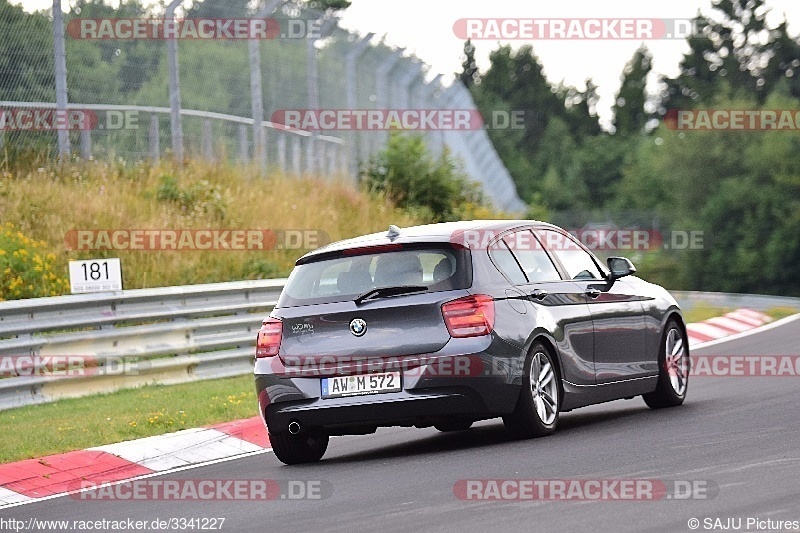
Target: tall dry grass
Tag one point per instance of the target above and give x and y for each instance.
(47, 202)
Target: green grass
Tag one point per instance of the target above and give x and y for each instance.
(78, 423)
(781, 312)
(702, 311)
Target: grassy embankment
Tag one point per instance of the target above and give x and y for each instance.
(44, 203)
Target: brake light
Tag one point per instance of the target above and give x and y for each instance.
(268, 341)
(378, 249)
(471, 316)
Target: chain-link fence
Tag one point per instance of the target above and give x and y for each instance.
(222, 81)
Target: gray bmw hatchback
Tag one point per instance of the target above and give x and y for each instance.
(446, 324)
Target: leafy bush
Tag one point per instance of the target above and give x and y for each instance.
(412, 178)
(26, 270)
(198, 199)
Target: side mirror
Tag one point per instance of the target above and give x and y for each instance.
(619, 267)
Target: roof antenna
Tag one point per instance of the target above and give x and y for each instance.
(393, 233)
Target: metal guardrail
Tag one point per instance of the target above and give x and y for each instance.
(107, 341)
(164, 335)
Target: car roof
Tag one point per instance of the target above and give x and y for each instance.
(433, 233)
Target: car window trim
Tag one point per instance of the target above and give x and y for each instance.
(556, 261)
(519, 266)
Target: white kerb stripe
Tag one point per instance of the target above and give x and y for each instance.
(708, 330)
(7, 497)
(186, 447)
(755, 314)
(729, 323)
(744, 317)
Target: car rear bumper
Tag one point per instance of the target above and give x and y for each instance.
(443, 386)
(401, 409)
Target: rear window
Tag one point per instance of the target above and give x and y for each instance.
(352, 273)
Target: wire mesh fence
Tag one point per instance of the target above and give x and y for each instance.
(218, 81)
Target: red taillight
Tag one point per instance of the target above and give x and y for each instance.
(379, 249)
(471, 316)
(268, 341)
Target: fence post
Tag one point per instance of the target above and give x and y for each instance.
(243, 152)
(428, 98)
(208, 145)
(256, 91)
(351, 79)
(296, 148)
(382, 75)
(155, 141)
(282, 151)
(325, 23)
(174, 87)
(86, 143)
(402, 97)
(60, 57)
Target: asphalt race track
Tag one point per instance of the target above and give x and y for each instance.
(735, 443)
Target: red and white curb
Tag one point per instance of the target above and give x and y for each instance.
(33, 479)
(732, 323)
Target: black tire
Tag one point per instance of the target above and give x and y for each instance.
(301, 448)
(673, 373)
(536, 413)
(454, 425)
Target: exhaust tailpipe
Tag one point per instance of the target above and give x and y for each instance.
(294, 427)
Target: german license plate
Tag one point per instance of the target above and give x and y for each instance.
(361, 384)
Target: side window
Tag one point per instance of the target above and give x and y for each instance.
(531, 257)
(504, 260)
(576, 261)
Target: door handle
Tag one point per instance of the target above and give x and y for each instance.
(592, 293)
(539, 294)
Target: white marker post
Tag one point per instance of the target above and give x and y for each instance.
(95, 275)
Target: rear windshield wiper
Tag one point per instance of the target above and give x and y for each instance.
(383, 292)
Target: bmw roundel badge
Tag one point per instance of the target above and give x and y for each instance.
(358, 327)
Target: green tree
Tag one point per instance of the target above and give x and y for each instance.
(408, 174)
(26, 55)
(469, 68)
(740, 189)
(322, 5)
(219, 9)
(515, 83)
(630, 115)
(735, 52)
(580, 110)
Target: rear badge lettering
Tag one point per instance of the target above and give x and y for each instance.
(302, 329)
